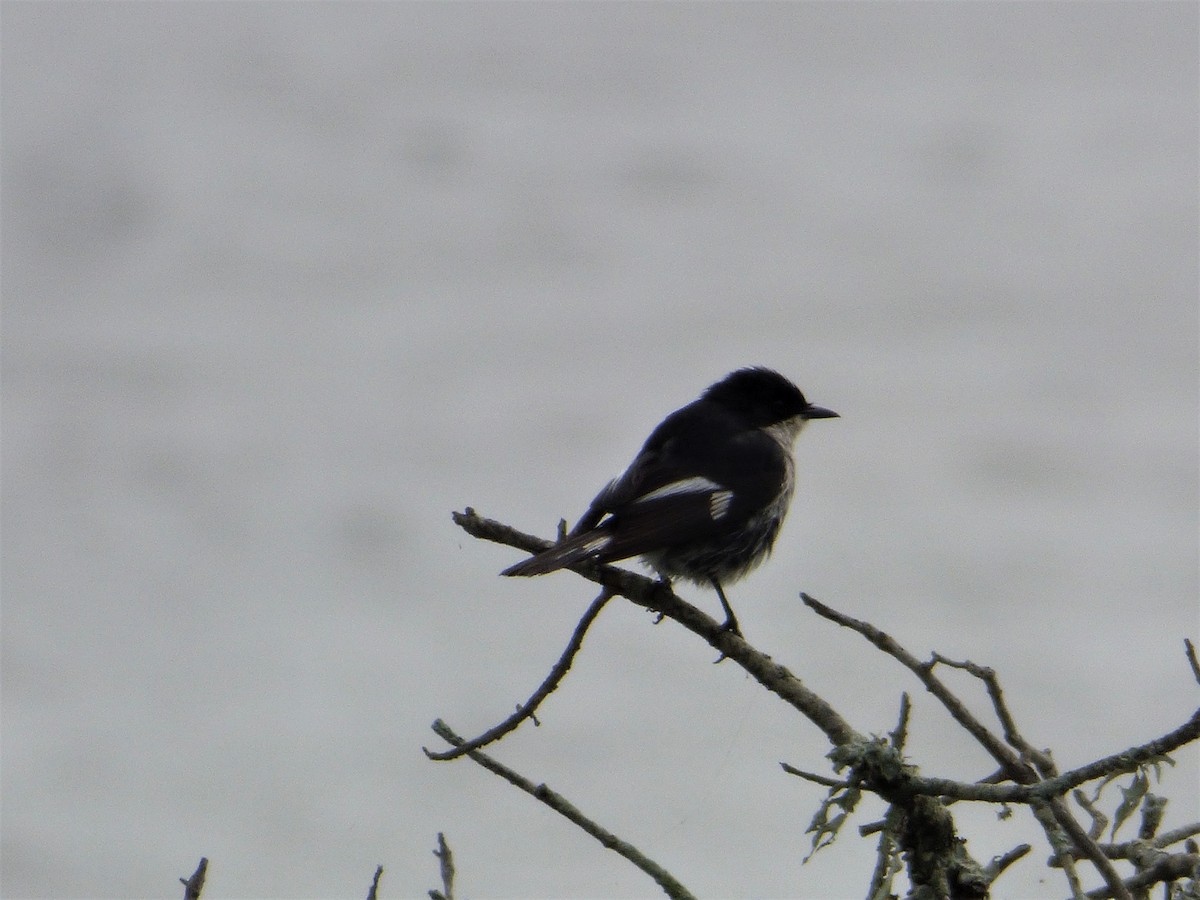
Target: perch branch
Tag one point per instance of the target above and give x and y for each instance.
(1031, 773)
(658, 596)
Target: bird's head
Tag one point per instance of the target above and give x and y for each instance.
(764, 398)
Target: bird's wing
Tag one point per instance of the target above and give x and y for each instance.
(684, 486)
(668, 456)
(667, 498)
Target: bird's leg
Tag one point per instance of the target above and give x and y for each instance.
(665, 584)
(731, 622)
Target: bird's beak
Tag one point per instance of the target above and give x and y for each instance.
(819, 412)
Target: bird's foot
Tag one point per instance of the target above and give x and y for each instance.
(730, 625)
(663, 584)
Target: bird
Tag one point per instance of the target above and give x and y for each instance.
(706, 495)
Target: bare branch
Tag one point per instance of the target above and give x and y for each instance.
(1029, 787)
(373, 892)
(563, 807)
(658, 596)
(1099, 819)
(1000, 863)
(1126, 761)
(193, 886)
(1190, 649)
(1175, 835)
(1084, 843)
(1063, 852)
(1168, 868)
(900, 734)
(1032, 774)
(822, 780)
(1052, 814)
(1014, 766)
(1012, 734)
(887, 863)
(547, 687)
(1129, 849)
(446, 860)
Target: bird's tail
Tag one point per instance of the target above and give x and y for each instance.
(574, 550)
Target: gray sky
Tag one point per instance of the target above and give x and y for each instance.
(285, 284)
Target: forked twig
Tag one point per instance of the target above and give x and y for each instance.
(1051, 813)
(1016, 768)
(545, 689)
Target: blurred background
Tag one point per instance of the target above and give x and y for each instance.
(284, 285)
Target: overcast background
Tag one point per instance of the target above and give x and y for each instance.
(285, 284)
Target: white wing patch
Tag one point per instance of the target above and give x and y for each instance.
(695, 485)
(596, 544)
(718, 503)
(719, 496)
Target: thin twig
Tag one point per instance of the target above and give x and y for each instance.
(1083, 841)
(446, 861)
(1063, 850)
(1190, 650)
(822, 780)
(900, 734)
(1014, 766)
(872, 828)
(1169, 868)
(193, 886)
(563, 807)
(1175, 835)
(373, 893)
(547, 687)
(1126, 761)
(1002, 862)
(1099, 819)
(1012, 734)
(880, 887)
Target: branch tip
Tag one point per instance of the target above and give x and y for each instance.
(1190, 650)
